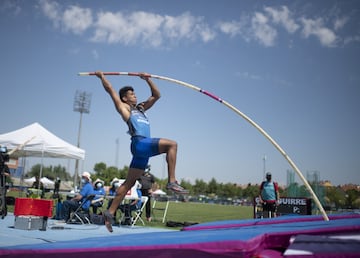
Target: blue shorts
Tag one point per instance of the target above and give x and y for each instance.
(142, 149)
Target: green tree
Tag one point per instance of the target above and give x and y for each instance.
(200, 187)
(303, 192)
(60, 172)
(335, 196)
(212, 187)
(187, 185)
(251, 191)
(351, 196)
(107, 174)
(50, 172)
(230, 190)
(100, 169)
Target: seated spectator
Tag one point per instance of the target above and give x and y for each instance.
(99, 192)
(115, 183)
(74, 203)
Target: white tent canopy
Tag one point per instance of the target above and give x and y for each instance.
(159, 192)
(46, 182)
(39, 143)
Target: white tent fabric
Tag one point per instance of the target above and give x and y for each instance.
(159, 192)
(132, 193)
(42, 144)
(46, 182)
(29, 181)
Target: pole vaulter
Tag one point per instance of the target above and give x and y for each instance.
(262, 131)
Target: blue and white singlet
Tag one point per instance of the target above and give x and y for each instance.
(138, 123)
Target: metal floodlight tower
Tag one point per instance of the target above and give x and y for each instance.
(117, 153)
(82, 103)
(264, 168)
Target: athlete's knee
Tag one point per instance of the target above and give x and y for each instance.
(166, 145)
(174, 145)
(122, 188)
(172, 149)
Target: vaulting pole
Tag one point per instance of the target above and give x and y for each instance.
(20, 146)
(262, 131)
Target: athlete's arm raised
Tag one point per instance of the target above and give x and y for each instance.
(155, 93)
(120, 106)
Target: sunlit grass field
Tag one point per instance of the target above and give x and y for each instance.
(204, 212)
(187, 212)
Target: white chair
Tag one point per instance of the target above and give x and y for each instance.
(160, 207)
(138, 212)
(135, 215)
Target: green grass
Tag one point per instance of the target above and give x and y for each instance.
(196, 213)
(203, 212)
(188, 212)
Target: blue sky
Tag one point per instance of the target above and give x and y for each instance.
(291, 66)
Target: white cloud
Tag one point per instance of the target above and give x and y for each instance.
(119, 28)
(339, 23)
(128, 28)
(248, 75)
(10, 7)
(316, 28)
(76, 19)
(187, 26)
(51, 10)
(235, 28)
(206, 33)
(257, 27)
(263, 32)
(283, 17)
(149, 28)
(232, 28)
(180, 26)
(352, 39)
(155, 30)
(261, 25)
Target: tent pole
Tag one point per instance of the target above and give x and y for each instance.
(41, 169)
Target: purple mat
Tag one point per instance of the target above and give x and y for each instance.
(252, 238)
(278, 220)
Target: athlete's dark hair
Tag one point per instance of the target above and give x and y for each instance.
(124, 90)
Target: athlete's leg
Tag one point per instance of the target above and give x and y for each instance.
(170, 148)
(273, 210)
(143, 148)
(133, 175)
(266, 210)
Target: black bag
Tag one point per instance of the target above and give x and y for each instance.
(97, 219)
(179, 224)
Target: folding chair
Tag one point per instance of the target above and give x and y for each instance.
(81, 215)
(163, 208)
(138, 212)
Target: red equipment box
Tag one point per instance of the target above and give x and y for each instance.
(35, 207)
